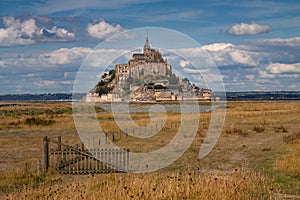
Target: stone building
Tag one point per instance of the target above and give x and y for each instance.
(150, 63)
(147, 76)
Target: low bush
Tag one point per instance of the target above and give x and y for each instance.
(236, 131)
(292, 138)
(280, 128)
(38, 121)
(259, 129)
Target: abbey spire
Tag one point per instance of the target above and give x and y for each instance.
(147, 45)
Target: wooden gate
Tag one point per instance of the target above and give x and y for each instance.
(79, 160)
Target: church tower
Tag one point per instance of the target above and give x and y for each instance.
(147, 48)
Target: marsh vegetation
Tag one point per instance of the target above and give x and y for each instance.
(256, 157)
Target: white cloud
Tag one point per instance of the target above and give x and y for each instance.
(219, 52)
(66, 82)
(69, 75)
(44, 83)
(250, 77)
(265, 72)
(195, 71)
(65, 56)
(290, 42)
(279, 68)
(30, 75)
(242, 57)
(265, 56)
(226, 54)
(248, 29)
(49, 83)
(283, 73)
(18, 32)
(217, 46)
(274, 50)
(174, 15)
(57, 5)
(184, 63)
(55, 34)
(2, 64)
(96, 58)
(103, 29)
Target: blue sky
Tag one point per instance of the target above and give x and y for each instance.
(255, 44)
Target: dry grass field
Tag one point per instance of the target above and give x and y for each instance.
(256, 157)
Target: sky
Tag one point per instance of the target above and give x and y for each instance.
(254, 44)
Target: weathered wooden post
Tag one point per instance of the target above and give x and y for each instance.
(46, 153)
(38, 166)
(26, 168)
(59, 143)
(106, 139)
(127, 163)
(59, 155)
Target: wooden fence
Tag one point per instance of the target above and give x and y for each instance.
(79, 160)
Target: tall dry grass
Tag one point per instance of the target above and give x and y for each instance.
(35, 117)
(290, 163)
(263, 123)
(187, 185)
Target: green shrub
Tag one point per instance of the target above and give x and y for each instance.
(38, 121)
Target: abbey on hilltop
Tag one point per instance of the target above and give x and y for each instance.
(148, 66)
(147, 76)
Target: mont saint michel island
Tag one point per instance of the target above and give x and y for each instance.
(146, 77)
